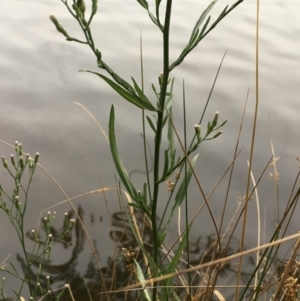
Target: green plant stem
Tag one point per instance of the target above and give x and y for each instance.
(156, 242)
(186, 197)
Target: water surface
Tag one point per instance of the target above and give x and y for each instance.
(39, 83)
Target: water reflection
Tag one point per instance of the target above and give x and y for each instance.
(119, 270)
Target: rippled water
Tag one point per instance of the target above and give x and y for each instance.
(39, 84)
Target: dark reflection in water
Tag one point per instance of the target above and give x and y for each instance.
(119, 270)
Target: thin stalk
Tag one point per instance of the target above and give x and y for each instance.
(158, 136)
(252, 147)
(143, 117)
(186, 198)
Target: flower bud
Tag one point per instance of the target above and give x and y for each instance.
(3, 205)
(218, 134)
(197, 128)
(4, 162)
(21, 162)
(66, 220)
(12, 159)
(20, 149)
(94, 7)
(59, 26)
(31, 163)
(71, 224)
(36, 158)
(81, 6)
(215, 120)
(49, 238)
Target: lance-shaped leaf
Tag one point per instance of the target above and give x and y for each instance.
(118, 163)
(145, 5)
(194, 35)
(142, 280)
(168, 284)
(151, 124)
(134, 99)
(198, 35)
(140, 92)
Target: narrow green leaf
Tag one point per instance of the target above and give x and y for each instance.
(118, 79)
(141, 278)
(172, 161)
(195, 33)
(177, 255)
(154, 20)
(151, 124)
(200, 37)
(118, 163)
(203, 16)
(168, 284)
(223, 123)
(137, 101)
(194, 36)
(166, 165)
(140, 92)
(145, 5)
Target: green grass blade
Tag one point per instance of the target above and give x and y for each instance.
(172, 266)
(118, 163)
